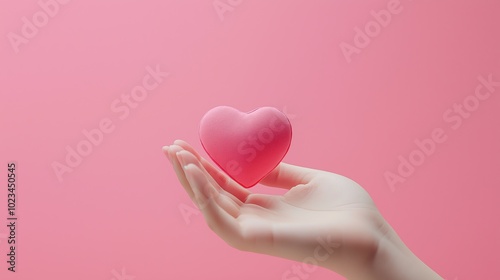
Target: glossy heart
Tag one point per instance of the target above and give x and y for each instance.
(247, 146)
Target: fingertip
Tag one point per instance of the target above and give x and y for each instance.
(180, 142)
(175, 148)
(194, 174)
(165, 150)
(187, 146)
(191, 168)
(172, 151)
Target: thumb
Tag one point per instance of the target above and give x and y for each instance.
(287, 176)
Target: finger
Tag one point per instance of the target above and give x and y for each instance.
(170, 152)
(186, 158)
(221, 222)
(219, 176)
(287, 176)
(228, 201)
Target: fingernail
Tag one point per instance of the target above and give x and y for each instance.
(165, 152)
(172, 150)
(186, 158)
(183, 159)
(175, 148)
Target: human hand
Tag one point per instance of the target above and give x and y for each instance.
(323, 216)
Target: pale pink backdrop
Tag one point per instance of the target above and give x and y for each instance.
(121, 213)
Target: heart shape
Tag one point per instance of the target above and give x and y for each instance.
(247, 146)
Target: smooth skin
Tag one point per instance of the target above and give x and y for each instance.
(323, 218)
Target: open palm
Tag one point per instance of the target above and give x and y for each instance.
(322, 215)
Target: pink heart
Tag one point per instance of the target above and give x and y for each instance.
(247, 146)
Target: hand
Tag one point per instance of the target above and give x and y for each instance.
(323, 217)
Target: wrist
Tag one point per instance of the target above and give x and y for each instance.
(395, 261)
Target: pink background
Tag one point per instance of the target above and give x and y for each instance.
(120, 208)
